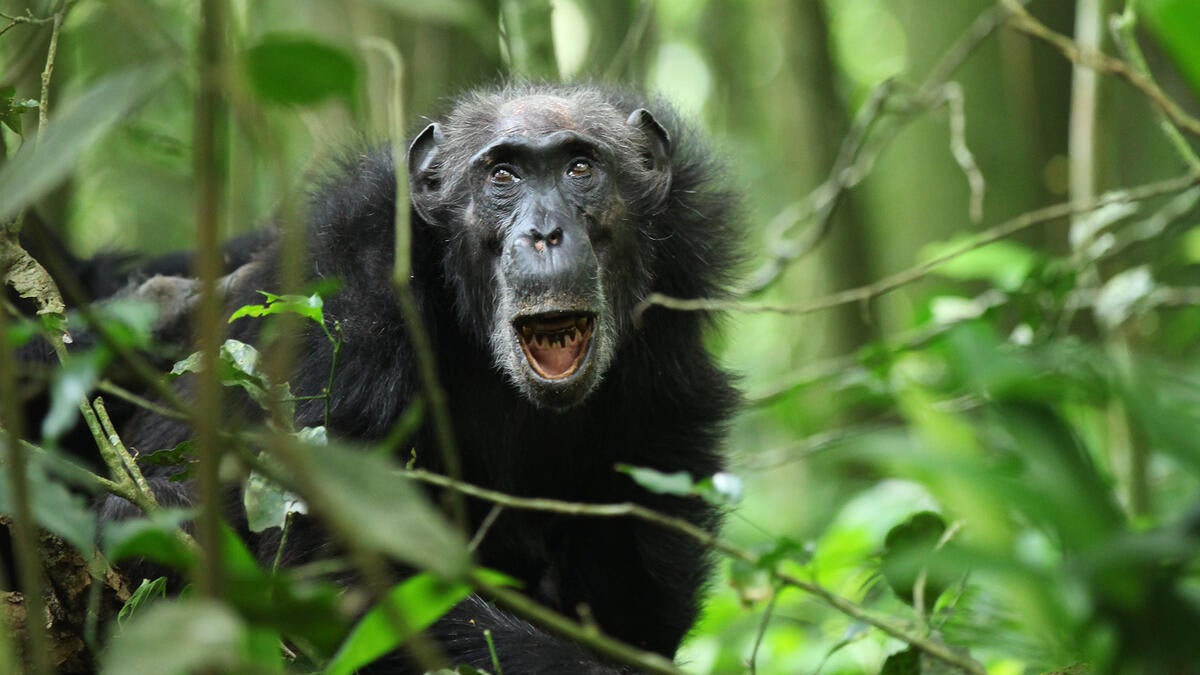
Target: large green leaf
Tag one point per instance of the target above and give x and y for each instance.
(419, 601)
(37, 167)
(298, 70)
(54, 507)
(367, 497)
(1176, 25)
(178, 637)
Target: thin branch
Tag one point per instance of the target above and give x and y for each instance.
(704, 537)
(48, 71)
(590, 636)
(24, 528)
(114, 441)
(917, 272)
(110, 387)
(414, 323)
(952, 94)
(208, 169)
(1021, 21)
(856, 155)
(1124, 30)
(752, 661)
(28, 18)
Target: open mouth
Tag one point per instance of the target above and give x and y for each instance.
(555, 345)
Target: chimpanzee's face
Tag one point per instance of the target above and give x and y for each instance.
(544, 209)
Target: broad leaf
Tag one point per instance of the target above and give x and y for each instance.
(297, 70)
(418, 601)
(367, 496)
(170, 638)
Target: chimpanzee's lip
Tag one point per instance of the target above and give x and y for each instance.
(555, 344)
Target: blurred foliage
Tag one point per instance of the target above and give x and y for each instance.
(1002, 456)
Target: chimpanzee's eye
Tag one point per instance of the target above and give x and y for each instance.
(503, 175)
(580, 168)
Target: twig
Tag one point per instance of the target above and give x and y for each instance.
(488, 521)
(856, 156)
(413, 321)
(952, 94)
(28, 18)
(29, 569)
(114, 441)
(122, 483)
(820, 204)
(917, 272)
(929, 646)
(110, 387)
(752, 661)
(1021, 21)
(48, 71)
(207, 170)
(592, 637)
(1124, 30)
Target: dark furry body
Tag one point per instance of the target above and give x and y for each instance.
(663, 403)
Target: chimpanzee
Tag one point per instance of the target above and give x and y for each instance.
(541, 216)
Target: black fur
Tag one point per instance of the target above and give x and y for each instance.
(662, 401)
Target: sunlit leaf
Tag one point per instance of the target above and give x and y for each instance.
(1174, 23)
(145, 594)
(679, 483)
(308, 306)
(419, 601)
(1006, 264)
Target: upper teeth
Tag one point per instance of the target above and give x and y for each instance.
(558, 333)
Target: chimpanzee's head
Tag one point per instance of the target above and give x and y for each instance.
(546, 201)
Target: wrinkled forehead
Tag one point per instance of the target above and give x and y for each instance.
(541, 114)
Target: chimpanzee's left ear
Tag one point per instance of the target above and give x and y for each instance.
(658, 152)
(422, 179)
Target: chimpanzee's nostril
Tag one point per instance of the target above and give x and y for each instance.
(555, 237)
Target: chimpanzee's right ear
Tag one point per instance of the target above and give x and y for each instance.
(422, 178)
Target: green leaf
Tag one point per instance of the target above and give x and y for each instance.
(297, 70)
(309, 306)
(128, 322)
(1174, 23)
(146, 593)
(239, 365)
(155, 537)
(1006, 264)
(38, 167)
(367, 496)
(71, 384)
(10, 115)
(907, 549)
(419, 601)
(721, 488)
(268, 503)
(679, 483)
(306, 610)
(181, 457)
(172, 638)
(55, 508)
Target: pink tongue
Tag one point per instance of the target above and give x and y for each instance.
(554, 361)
